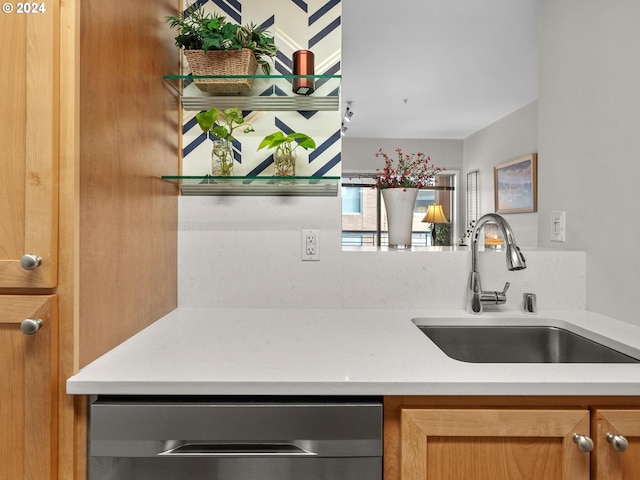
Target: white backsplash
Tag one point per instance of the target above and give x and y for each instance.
(246, 252)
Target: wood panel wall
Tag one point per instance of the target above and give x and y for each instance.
(128, 139)
(119, 127)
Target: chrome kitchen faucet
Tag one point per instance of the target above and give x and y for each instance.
(476, 297)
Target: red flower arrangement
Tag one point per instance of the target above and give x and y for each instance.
(412, 171)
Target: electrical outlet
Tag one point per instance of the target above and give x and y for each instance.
(310, 245)
(558, 226)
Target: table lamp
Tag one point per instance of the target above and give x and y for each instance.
(435, 215)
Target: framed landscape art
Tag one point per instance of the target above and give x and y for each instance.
(516, 185)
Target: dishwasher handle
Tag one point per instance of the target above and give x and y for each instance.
(221, 449)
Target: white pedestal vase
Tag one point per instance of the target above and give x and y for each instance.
(399, 204)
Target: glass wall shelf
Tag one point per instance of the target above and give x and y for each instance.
(269, 92)
(257, 186)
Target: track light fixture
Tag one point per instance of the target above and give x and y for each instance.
(348, 113)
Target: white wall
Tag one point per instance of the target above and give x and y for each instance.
(508, 138)
(245, 252)
(358, 153)
(589, 139)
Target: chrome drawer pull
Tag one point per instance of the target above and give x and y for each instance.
(236, 449)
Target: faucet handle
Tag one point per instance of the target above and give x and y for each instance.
(501, 297)
(492, 297)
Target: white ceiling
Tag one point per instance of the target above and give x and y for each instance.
(437, 68)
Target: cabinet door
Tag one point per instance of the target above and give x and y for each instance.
(28, 143)
(501, 444)
(27, 379)
(623, 463)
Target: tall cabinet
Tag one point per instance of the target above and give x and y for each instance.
(28, 242)
(87, 228)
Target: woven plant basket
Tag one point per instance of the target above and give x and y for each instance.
(223, 62)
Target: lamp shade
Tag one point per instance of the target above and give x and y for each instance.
(435, 214)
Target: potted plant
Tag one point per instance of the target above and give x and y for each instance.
(284, 158)
(215, 47)
(399, 184)
(467, 233)
(222, 135)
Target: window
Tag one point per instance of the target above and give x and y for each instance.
(473, 207)
(425, 198)
(359, 214)
(363, 216)
(351, 201)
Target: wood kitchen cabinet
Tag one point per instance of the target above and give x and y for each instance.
(88, 127)
(456, 438)
(28, 377)
(499, 444)
(617, 459)
(28, 139)
(29, 142)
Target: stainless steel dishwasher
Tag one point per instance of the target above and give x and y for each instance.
(243, 438)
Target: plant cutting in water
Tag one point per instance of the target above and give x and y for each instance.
(222, 136)
(284, 157)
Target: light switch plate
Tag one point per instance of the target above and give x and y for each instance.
(558, 226)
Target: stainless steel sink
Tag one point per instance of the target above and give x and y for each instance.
(520, 344)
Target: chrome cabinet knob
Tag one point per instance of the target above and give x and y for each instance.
(618, 442)
(585, 444)
(30, 261)
(30, 326)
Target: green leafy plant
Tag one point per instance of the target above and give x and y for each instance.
(286, 142)
(467, 233)
(232, 119)
(198, 30)
(221, 129)
(285, 145)
(443, 234)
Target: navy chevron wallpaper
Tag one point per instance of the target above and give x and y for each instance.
(296, 24)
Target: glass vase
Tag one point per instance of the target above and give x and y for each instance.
(284, 161)
(222, 158)
(399, 204)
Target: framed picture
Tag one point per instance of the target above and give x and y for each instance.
(516, 185)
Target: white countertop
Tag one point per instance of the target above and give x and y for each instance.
(195, 351)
